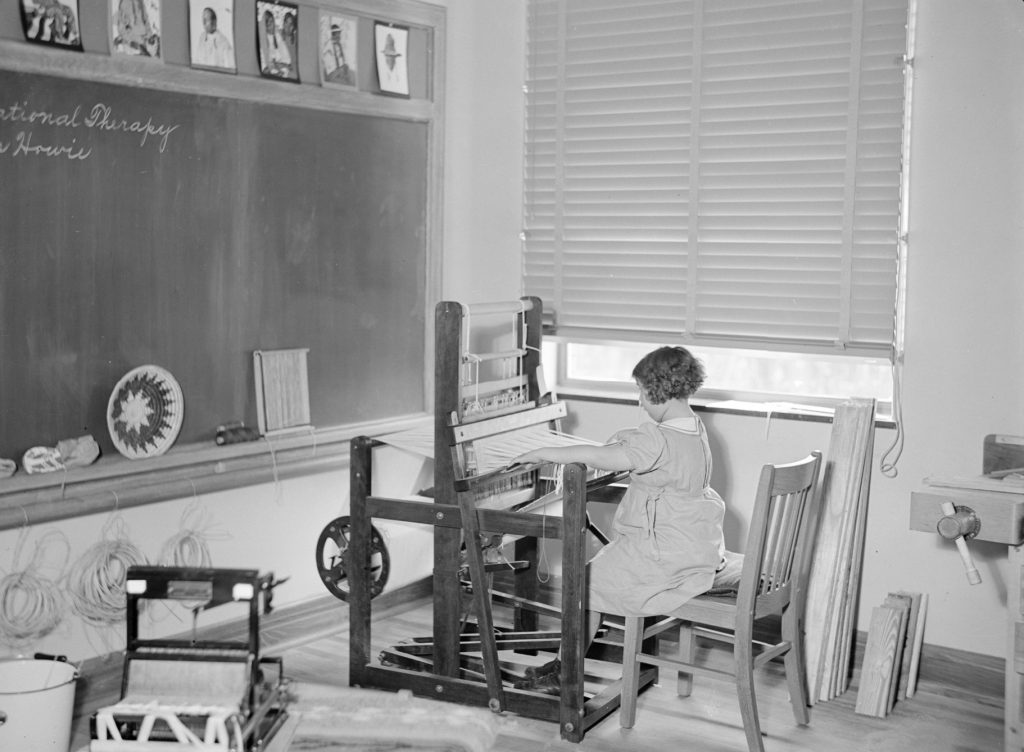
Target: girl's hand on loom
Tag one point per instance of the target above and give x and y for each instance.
(529, 457)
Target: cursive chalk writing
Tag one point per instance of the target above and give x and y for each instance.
(24, 146)
(19, 112)
(101, 116)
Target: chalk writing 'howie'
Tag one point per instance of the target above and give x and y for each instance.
(25, 146)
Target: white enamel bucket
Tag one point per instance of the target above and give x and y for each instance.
(37, 699)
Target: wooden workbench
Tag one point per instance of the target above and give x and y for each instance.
(997, 499)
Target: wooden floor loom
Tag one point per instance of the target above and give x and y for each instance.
(482, 420)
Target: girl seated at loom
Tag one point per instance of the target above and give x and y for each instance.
(667, 541)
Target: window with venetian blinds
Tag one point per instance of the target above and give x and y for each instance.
(721, 172)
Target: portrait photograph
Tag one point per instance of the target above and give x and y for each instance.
(391, 43)
(135, 27)
(338, 50)
(52, 22)
(211, 28)
(277, 39)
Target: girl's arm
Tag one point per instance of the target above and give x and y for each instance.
(606, 457)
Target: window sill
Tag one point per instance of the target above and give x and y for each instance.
(115, 482)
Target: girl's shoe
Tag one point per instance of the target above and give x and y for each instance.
(544, 678)
(551, 667)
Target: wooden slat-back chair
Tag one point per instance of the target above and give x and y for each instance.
(773, 583)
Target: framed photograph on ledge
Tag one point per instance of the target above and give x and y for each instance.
(277, 39)
(135, 28)
(211, 25)
(338, 45)
(53, 22)
(391, 44)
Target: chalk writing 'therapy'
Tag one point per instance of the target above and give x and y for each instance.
(101, 116)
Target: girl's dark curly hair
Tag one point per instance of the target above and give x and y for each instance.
(669, 373)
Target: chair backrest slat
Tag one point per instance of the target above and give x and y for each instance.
(777, 569)
(781, 532)
(797, 504)
(771, 542)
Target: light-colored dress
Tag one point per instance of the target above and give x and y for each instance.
(667, 537)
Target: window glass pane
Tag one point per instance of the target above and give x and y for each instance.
(744, 373)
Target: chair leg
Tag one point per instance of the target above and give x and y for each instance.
(687, 648)
(743, 653)
(796, 677)
(630, 670)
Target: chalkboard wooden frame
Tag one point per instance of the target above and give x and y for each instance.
(115, 482)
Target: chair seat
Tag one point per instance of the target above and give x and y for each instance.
(711, 610)
(727, 579)
(716, 607)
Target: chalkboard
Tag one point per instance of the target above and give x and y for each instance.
(186, 231)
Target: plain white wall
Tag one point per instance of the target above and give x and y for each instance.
(484, 145)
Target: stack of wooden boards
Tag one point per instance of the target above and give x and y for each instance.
(834, 581)
(892, 653)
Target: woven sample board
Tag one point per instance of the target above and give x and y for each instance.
(282, 390)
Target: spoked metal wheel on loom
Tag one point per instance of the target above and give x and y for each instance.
(330, 559)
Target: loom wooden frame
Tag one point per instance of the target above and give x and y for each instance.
(452, 675)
